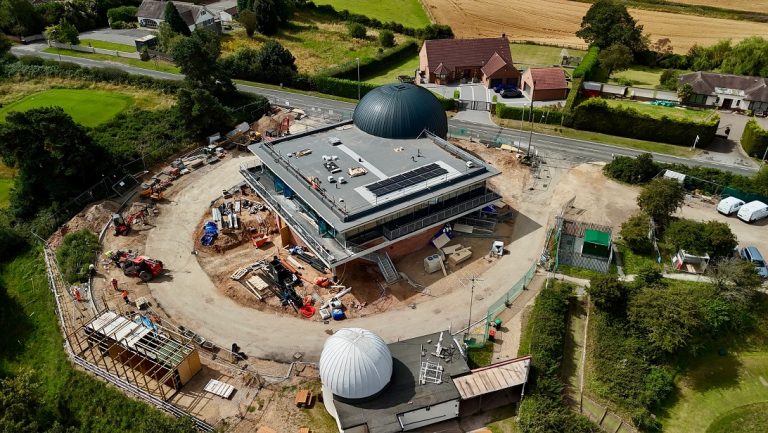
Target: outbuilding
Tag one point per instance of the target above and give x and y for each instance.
(545, 84)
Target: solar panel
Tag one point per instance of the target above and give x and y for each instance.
(404, 180)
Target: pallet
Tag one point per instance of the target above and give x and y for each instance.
(221, 389)
(240, 273)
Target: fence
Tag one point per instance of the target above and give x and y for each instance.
(477, 335)
(600, 415)
(83, 49)
(746, 196)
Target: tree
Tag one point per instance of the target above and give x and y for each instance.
(735, 279)
(668, 79)
(748, 57)
(608, 22)
(386, 38)
(615, 58)
(649, 276)
(5, 45)
(19, 17)
(709, 58)
(271, 14)
(436, 31)
(685, 93)
(174, 19)
(608, 293)
(662, 47)
(197, 57)
(201, 112)
(635, 232)
(125, 14)
(67, 33)
(668, 318)
(712, 237)
(167, 38)
(276, 62)
(356, 30)
(54, 157)
(661, 198)
(249, 21)
(640, 169)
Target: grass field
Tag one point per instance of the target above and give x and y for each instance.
(315, 42)
(108, 45)
(406, 12)
(714, 388)
(160, 65)
(539, 55)
(556, 21)
(657, 111)
(741, 5)
(406, 67)
(640, 76)
(87, 107)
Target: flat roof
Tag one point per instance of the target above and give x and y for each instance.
(495, 377)
(348, 205)
(404, 393)
(597, 237)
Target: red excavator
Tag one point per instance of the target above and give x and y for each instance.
(142, 267)
(123, 225)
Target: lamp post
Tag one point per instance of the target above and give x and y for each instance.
(764, 155)
(358, 77)
(530, 137)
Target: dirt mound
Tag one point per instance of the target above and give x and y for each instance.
(92, 218)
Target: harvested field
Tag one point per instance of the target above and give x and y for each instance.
(739, 5)
(556, 21)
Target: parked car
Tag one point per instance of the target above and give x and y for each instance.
(752, 255)
(511, 93)
(753, 211)
(500, 87)
(729, 205)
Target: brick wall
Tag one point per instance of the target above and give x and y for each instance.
(407, 246)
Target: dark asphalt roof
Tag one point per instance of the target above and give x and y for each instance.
(156, 9)
(401, 111)
(404, 393)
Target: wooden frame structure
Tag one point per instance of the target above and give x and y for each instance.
(151, 357)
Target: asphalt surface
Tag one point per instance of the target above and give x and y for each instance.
(548, 145)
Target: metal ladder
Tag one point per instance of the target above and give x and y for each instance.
(386, 266)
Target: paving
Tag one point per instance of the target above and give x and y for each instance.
(124, 36)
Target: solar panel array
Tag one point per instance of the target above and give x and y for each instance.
(404, 180)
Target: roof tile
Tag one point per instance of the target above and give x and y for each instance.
(455, 53)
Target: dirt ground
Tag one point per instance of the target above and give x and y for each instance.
(556, 21)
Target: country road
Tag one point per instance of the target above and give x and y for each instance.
(551, 146)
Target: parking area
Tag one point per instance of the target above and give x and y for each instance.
(478, 92)
(123, 36)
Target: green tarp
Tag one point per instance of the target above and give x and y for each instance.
(596, 243)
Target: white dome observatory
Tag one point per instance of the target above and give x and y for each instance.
(355, 363)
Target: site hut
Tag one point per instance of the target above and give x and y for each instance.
(374, 188)
(371, 387)
(584, 245)
(138, 351)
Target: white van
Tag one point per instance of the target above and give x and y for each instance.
(729, 205)
(753, 211)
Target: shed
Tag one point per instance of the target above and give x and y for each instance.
(596, 243)
(680, 177)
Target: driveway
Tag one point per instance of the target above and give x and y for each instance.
(729, 151)
(124, 36)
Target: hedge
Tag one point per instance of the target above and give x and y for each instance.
(589, 66)
(374, 65)
(540, 115)
(595, 115)
(754, 140)
(447, 103)
(339, 86)
(573, 94)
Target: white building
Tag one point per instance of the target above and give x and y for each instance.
(725, 91)
(152, 12)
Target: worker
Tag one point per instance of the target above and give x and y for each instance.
(114, 283)
(91, 270)
(124, 294)
(76, 293)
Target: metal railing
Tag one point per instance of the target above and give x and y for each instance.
(441, 215)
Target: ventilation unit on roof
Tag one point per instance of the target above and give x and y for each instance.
(331, 179)
(469, 164)
(342, 180)
(334, 141)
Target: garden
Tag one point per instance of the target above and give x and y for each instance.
(657, 111)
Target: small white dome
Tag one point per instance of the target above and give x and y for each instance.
(355, 363)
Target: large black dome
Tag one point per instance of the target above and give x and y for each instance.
(400, 111)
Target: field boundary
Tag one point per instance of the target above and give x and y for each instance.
(581, 47)
(428, 12)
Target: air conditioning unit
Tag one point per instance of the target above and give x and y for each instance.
(470, 164)
(326, 158)
(331, 179)
(334, 141)
(342, 180)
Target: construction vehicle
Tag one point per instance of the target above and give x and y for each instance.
(123, 225)
(132, 265)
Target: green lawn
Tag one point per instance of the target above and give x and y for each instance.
(406, 67)
(108, 45)
(480, 357)
(658, 111)
(87, 107)
(406, 12)
(640, 76)
(633, 262)
(539, 55)
(714, 388)
(155, 66)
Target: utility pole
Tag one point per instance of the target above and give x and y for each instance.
(358, 77)
(764, 154)
(530, 137)
(471, 299)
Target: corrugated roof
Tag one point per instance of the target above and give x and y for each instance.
(705, 83)
(455, 53)
(400, 111)
(496, 377)
(548, 78)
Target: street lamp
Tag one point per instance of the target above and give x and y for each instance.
(530, 137)
(358, 77)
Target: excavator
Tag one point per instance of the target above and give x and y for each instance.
(123, 225)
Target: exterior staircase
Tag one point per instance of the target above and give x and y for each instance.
(386, 266)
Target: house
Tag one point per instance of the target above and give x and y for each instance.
(486, 60)
(224, 10)
(375, 188)
(152, 12)
(548, 84)
(725, 91)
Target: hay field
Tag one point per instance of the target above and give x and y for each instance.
(739, 5)
(556, 21)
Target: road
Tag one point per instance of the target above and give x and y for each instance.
(550, 146)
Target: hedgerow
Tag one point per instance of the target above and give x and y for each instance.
(77, 251)
(754, 140)
(589, 66)
(540, 115)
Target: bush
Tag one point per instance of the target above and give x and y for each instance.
(540, 115)
(589, 66)
(573, 98)
(634, 233)
(77, 251)
(123, 13)
(596, 115)
(608, 293)
(668, 79)
(447, 103)
(387, 38)
(711, 237)
(356, 30)
(632, 170)
(754, 140)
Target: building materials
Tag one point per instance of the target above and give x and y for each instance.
(463, 228)
(441, 241)
(303, 398)
(460, 256)
(452, 248)
(295, 263)
(221, 389)
(240, 273)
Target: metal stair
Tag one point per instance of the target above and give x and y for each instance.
(386, 266)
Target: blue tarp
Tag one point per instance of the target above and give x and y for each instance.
(211, 230)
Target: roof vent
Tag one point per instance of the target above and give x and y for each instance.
(470, 164)
(342, 180)
(331, 179)
(334, 141)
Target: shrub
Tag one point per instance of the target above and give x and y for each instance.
(447, 103)
(540, 115)
(589, 66)
(123, 13)
(596, 115)
(668, 79)
(640, 169)
(754, 140)
(573, 97)
(608, 293)
(711, 237)
(634, 233)
(356, 30)
(387, 38)
(340, 87)
(456, 94)
(77, 251)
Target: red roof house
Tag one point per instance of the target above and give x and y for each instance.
(548, 84)
(486, 60)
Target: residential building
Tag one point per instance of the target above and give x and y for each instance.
(736, 92)
(548, 84)
(486, 60)
(374, 188)
(152, 12)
